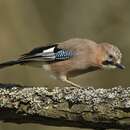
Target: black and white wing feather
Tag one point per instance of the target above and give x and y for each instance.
(46, 54)
(49, 53)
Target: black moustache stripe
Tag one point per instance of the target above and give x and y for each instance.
(108, 62)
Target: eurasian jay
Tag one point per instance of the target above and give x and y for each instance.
(71, 58)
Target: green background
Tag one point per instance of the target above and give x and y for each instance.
(25, 24)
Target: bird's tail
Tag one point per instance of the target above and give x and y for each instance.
(10, 63)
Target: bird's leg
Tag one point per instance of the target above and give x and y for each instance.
(64, 79)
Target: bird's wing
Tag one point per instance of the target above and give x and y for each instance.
(48, 53)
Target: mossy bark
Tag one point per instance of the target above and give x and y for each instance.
(69, 106)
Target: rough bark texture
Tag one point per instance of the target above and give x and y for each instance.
(69, 106)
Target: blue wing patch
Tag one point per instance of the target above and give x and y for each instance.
(63, 55)
(48, 54)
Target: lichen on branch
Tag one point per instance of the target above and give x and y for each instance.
(87, 107)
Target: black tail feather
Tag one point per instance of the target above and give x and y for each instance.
(10, 63)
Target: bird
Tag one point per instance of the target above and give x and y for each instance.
(71, 58)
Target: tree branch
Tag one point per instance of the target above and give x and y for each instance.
(69, 106)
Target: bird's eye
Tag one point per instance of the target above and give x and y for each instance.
(110, 56)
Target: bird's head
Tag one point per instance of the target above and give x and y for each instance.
(111, 57)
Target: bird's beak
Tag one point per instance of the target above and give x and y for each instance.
(120, 66)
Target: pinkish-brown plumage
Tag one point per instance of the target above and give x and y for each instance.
(71, 58)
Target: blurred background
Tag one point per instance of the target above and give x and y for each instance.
(25, 24)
